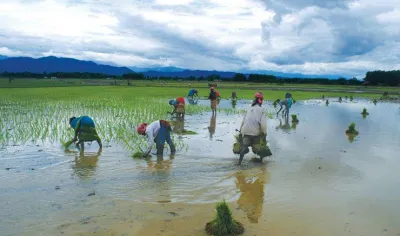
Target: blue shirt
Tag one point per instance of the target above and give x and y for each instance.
(192, 92)
(85, 121)
(290, 102)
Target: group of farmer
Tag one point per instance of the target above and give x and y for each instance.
(253, 127)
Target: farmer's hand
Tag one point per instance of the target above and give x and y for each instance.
(264, 137)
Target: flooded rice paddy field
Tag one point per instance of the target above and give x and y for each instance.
(318, 182)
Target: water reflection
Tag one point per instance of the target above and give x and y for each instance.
(233, 101)
(252, 187)
(193, 101)
(162, 184)
(285, 126)
(213, 125)
(351, 137)
(294, 125)
(85, 164)
(178, 125)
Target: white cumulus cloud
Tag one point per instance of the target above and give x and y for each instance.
(342, 37)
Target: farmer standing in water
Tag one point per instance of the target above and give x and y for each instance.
(213, 99)
(193, 92)
(159, 132)
(85, 130)
(254, 125)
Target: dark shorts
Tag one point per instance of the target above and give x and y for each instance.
(164, 135)
(249, 140)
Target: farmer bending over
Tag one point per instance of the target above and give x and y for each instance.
(85, 130)
(288, 95)
(193, 92)
(159, 132)
(287, 103)
(179, 106)
(254, 125)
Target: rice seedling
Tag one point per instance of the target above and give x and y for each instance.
(261, 149)
(44, 119)
(364, 112)
(294, 118)
(224, 224)
(351, 98)
(327, 102)
(375, 101)
(352, 129)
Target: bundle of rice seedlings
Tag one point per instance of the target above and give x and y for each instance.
(261, 149)
(224, 224)
(67, 144)
(237, 146)
(139, 155)
(364, 112)
(294, 118)
(352, 129)
(275, 103)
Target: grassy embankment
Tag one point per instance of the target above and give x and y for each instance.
(171, 89)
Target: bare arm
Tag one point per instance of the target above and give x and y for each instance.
(263, 123)
(244, 117)
(77, 129)
(150, 142)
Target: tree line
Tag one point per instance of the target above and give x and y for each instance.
(389, 78)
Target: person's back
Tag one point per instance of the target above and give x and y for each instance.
(192, 92)
(153, 128)
(181, 100)
(290, 102)
(86, 120)
(254, 121)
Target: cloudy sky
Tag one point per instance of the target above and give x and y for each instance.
(304, 36)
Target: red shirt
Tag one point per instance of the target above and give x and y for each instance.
(181, 100)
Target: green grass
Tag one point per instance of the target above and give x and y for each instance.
(31, 83)
(125, 92)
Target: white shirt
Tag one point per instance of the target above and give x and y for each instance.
(151, 132)
(254, 121)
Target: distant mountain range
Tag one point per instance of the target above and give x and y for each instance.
(180, 72)
(55, 64)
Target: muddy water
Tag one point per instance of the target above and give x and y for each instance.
(316, 183)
